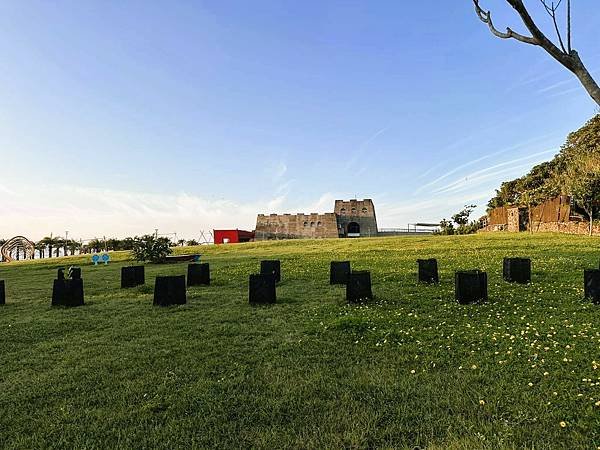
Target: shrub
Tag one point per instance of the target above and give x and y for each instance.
(151, 248)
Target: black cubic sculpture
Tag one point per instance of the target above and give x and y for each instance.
(262, 289)
(2, 293)
(517, 270)
(132, 276)
(67, 292)
(60, 275)
(74, 272)
(428, 271)
(198, 274)
(592, 284)
(358, 287)
(338, 272)
(470, 286)
(170, 290)
(271, 267)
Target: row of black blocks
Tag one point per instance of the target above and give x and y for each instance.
(358, 283)
(171, 290)
(197, 275)
(68, 292)
(262, 287)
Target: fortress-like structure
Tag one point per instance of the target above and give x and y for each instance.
(353, 218)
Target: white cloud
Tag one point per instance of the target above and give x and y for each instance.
(90, 212)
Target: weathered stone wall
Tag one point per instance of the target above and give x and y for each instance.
(566, 227)
(361, 212)
(296, 226)
(514, 221)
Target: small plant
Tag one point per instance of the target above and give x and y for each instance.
(151, 248)
(461, 219)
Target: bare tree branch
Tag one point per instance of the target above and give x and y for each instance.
(486, 17)
(551, 10)
(569, 48)
(569, 59)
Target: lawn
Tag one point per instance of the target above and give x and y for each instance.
(411, 368)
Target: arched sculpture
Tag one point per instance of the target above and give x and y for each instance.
(18, 244)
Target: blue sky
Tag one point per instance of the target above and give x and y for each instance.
(120, 117)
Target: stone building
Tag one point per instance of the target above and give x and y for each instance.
(353, 218)
(557, 215)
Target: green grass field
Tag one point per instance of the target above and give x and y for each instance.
(412, 368)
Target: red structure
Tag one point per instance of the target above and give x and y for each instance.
(232, 236)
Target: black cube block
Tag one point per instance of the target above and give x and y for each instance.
(338, 272)
(470, 286)
(74, 273)
(358, 287)
(60, 275)
(198, 274)
(517, 270)
(170, 291)
(67, 292)
(262, 289)
(592, 284)
(132, 276)
(2, 293)
(428, 271)
(271, 267)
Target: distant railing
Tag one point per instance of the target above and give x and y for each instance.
(410, 229)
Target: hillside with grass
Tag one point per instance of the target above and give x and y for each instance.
(411, 368)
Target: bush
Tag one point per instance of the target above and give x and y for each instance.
(461, 219)
(151, 248)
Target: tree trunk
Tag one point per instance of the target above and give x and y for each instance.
(585, 78)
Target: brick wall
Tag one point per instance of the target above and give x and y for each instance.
(296, 226)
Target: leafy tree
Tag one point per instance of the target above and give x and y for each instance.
(74, 246)
(562, 51)
(192, 242)
(113, 244)
(58, 242)
(96, 245)
(49, 242)
(461, 218)
(151, 248)
(127, 243)
(446, 227)
(583, 182)
(40, 246)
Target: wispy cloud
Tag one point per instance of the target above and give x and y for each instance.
(363, 148)
(432, 209)
(492, 172)
(475, 161)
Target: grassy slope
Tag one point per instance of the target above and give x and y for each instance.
(309, 371)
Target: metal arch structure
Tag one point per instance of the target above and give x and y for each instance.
(18, 243)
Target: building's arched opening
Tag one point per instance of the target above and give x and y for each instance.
(353, 229)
